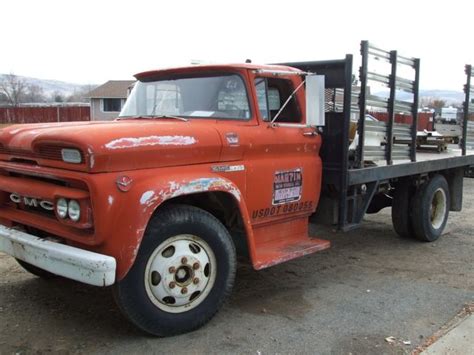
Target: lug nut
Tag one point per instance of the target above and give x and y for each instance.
(196, 266)
(184, 290)
(184, 260)
(172, 284)
(196, 281)
(172, 269)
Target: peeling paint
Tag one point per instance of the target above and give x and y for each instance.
(146, 197)
(198, 185)
(173, 185)
(124, 143)
(131, 250)
(134, 250)
(111, 200)
(91, 158)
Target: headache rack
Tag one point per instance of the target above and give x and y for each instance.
(353, 177)
(393, 131)
(467, 124)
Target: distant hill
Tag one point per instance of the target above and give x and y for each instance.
(55, 87)
(451, 97)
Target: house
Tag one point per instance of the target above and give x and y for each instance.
(107, 99)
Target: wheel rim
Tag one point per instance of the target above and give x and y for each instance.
(438, 208)
(180, 273)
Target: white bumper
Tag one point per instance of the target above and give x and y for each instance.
(63, 260)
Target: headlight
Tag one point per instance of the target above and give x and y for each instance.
(61, 208)
(74, 210)
(71, 156)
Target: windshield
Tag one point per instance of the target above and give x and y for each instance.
(222, 96)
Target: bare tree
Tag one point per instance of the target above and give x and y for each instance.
(438, 104)
(34, 93)
(3, 99)
(433, 102)
(81, 94)
(56, 96)
(13, 88)
(426, 101)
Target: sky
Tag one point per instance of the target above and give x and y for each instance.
(90, 42)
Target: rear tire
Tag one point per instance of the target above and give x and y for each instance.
(431, 209)
(401, 218)
(36, 270)
(184, 270)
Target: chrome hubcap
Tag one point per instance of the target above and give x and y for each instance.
(180, 273)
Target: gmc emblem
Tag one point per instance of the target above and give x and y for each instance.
(32, 202)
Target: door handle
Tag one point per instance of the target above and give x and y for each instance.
(310, 133)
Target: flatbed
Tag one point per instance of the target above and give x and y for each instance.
(426, 162)
(362, 180)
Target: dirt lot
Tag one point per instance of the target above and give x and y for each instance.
(369, 286)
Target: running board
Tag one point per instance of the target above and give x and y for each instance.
(277, 253)
(280, 242)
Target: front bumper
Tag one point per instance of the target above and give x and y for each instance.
(63, 260)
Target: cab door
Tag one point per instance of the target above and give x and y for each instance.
(283, 163)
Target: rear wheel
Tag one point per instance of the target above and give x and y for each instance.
(401, 219)
(431, 209)
(184, 270)
(36, 270)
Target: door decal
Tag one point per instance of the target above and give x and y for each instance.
(287, 186)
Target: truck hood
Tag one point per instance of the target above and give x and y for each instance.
(114, 146)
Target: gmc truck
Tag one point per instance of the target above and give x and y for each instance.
(209, 163)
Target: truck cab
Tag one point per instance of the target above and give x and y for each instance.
(203, 164)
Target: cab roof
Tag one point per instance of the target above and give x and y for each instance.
(143, 76)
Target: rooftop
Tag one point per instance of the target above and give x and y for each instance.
(112, 89)
(209, 68)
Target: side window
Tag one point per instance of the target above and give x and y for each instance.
(111, 105)
(274, 101)
(261, 89)
(272, 93)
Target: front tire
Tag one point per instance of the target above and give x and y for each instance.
(184, 270)
(431, 209)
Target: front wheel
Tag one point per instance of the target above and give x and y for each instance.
(431, 209)
(184, 270)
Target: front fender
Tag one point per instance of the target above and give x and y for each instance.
(150, 193)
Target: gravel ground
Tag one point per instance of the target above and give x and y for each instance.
(370, 285)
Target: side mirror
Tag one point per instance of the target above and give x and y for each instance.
(315, 100)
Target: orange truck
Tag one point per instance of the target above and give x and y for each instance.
(209, 163)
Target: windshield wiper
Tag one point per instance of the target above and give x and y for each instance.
(153, 115)
(168, 116)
